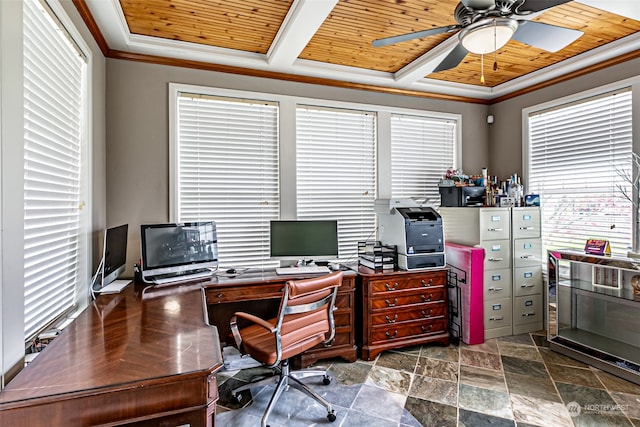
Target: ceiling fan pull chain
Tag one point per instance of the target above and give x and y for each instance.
(482, 68)
(495, 47)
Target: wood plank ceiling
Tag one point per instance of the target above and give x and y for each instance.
(344, 38)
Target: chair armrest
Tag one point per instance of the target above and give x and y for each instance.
(250, 317)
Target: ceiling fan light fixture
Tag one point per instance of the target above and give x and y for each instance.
(488, 35)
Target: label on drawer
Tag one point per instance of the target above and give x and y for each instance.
(528, 245)
(528, 274)
(496, 248)
(526, 217)
(496, 277)
(528, 303)
(495, 218)
(496, 307)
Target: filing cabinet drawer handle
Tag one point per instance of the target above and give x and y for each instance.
(525, 256)
(429, 283)
(496, 289)
(391, 304)
(391, 287)
(496, 318)
(528, 314)
(526, 285)
(425, 299)
(425, 314)
(393, 335)
(495, 229)
(496, 259)
(526, 228)
(430, 328)
(390, 320)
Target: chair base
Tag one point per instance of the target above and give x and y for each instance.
(285, 379)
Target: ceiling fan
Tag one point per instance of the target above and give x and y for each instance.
(484, 26)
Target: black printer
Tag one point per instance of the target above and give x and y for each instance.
(418, 233)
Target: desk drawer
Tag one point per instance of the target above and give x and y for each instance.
(426, 311)
(408, 298)
(246, 293)
(412, 329)
(405, 283)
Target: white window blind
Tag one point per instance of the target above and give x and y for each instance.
(227, 171)
(422, 149)
(54, 79)
(336, 171)
(578, 154)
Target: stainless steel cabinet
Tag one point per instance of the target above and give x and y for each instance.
(593, 310)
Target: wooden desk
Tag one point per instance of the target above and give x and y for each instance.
(259, 292)
(136, 358)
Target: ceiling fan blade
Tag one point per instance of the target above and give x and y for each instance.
(452, 60)
(545, 36)
(416, 35)
(531, 6)
(479, 4)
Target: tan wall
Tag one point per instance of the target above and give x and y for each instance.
(506, 132)
(138, 133)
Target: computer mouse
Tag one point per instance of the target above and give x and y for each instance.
(231, 271)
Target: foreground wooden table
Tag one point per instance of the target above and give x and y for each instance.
(144, 357)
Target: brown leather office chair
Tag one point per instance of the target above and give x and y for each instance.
(305, 319)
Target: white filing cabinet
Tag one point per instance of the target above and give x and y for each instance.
(527, 270)
(512, 265)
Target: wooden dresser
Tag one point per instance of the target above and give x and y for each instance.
(401, 308)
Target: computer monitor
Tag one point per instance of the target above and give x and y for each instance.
(304, 240)
(114, 257)
(178, 248)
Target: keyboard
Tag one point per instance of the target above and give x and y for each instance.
(181, 277)
(307, 269)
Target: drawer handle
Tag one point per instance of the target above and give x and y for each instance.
(391, 304)
(495, 289)
(425, 299)
(525, 256)
(429, 283)
(526, 285)
(496, 318)
(528, 314)
(391, 288)
(425, 314)
(393, 335)
(495, 259)
(390, 320)
(430, 328)
(526, 228)
(220, 295)
(495, 229)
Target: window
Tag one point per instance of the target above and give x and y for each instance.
(579, 154)
(422, 148)
(336, 171)
(226, 165)
(54, 107)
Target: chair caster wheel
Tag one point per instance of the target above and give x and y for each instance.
(331, 416)
(326, 380)
(236, 399)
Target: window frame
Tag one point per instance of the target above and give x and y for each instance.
(287, 134)
(630, 84)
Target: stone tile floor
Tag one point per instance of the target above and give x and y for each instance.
(508, 381)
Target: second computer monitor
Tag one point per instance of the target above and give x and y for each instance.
(304, 240)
